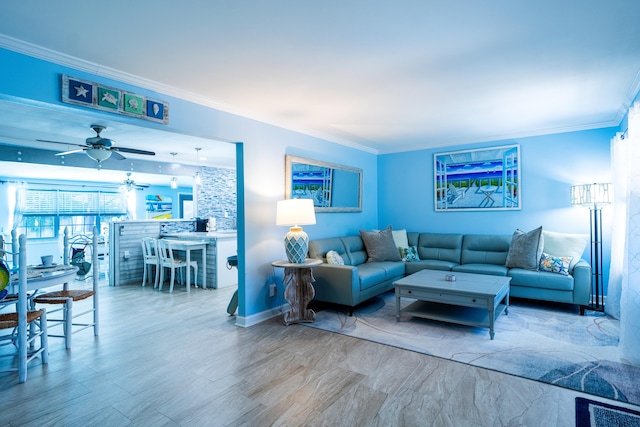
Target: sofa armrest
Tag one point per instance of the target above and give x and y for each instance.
(338, 284)
(581, 282)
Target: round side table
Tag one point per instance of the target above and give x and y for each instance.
(299, 291)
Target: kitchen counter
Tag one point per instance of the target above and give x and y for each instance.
(202, 235)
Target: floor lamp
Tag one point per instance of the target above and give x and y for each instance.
(594, 196)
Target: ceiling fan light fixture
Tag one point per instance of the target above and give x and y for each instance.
(98, 154)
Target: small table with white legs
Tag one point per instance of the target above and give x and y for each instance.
(188, 246)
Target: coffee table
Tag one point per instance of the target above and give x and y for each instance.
(472, 299)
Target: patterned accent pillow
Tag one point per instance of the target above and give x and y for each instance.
(334, 258)
(555, 264)
(409, 254)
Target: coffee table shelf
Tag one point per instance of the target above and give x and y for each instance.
(468, 316)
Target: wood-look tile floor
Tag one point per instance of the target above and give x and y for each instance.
(179, 360)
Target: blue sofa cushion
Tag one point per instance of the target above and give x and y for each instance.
(431, 264)
(370, 275)
(492, 269)
(485, 249)
(374, 273)
(540, 279)
(439, 246)
(355, 250)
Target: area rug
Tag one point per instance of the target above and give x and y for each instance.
(597, 414)
(543, 342)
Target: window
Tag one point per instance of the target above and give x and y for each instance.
(47, 212)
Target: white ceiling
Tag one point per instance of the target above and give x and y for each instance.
(387, 76)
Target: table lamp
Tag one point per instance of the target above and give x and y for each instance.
(294, 213)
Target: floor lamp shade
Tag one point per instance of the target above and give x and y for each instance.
(294, 213)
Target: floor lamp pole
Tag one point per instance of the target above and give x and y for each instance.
(597, 291)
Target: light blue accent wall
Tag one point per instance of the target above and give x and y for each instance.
(261, 155)
(550, 165)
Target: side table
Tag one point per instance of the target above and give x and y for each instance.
(299, 291)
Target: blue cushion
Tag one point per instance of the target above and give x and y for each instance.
(492, 269)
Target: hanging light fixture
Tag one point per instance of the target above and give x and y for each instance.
(197, 177)
(174, 179)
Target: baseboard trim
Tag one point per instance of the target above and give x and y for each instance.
(263, 316)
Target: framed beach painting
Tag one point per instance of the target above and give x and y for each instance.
(482, 179)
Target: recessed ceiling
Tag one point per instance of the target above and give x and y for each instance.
(390, 76)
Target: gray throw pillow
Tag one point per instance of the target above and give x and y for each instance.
(380, 245)
(525, 249)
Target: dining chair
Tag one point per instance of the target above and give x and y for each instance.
(25, 326)
(67, 297)
(168, 260)
(151, 260)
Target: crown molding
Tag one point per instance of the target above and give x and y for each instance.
(65, 60)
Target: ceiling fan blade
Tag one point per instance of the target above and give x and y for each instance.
(116, 155)
(69, 152)
(133, 151)
(59, 142)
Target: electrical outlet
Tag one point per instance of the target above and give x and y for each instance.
(272, 290)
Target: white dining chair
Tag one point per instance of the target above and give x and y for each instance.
(168, 260)
(151, 260)
(66, 298)
(25, 326)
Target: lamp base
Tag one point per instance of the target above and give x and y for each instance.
(296, 245)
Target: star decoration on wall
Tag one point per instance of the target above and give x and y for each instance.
(81, 91)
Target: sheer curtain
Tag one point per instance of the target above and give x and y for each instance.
(619, 169)
(20, 204)
(630, 295)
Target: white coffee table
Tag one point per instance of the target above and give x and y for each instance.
(472, 299)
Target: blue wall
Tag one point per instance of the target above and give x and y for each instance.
(550, 165)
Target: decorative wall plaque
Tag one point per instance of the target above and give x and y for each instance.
(100, 97)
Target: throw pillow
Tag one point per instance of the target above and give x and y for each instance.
(334, 258)
(564, 244)
(525, 249)
(400, 238)
(380, 245)
(555, 264)
(409, 254)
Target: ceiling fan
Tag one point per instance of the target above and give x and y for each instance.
(129, 184)
(99, 148)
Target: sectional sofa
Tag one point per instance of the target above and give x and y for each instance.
(362, 278)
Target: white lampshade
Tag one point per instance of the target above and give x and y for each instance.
(295, 212)
(591, 194)
(98, 154)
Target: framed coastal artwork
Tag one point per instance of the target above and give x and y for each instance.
(486, 179)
